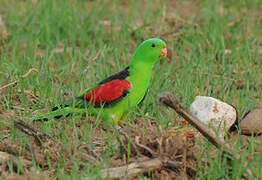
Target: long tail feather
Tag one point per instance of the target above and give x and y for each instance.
(56, 113)
(75, 105)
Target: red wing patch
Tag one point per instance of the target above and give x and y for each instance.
(109, 91)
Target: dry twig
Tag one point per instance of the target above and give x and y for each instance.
(16, 81)
(168, 100)
(153, 154)
(46, 142)
(132, 169)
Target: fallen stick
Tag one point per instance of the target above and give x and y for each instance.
(132, 169)
(170, 101)
(22, 126)
(51, 146)
(16, 81)
(136, 168)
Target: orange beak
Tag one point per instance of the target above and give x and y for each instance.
(163, 52)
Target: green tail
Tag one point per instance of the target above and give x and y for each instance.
(61, 112)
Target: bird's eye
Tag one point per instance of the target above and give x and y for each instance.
(153, 45)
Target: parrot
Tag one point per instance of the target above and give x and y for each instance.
(113, 97)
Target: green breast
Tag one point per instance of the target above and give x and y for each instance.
(140, 78)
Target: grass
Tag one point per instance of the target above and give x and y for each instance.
(74, 44)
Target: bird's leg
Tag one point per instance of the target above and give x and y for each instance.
(123, 117)
(118, 127)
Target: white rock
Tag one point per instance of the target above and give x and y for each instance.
(215, 113)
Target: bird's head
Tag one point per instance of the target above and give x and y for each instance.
(150, 51)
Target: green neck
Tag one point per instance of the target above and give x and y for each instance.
(140, 73)
(140, 62)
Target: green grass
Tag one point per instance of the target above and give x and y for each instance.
(110, 31)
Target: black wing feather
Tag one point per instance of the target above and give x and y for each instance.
(121, 75)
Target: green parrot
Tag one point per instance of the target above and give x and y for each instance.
(113, 97)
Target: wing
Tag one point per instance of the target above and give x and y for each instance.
(108, 94)
(121, 75)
